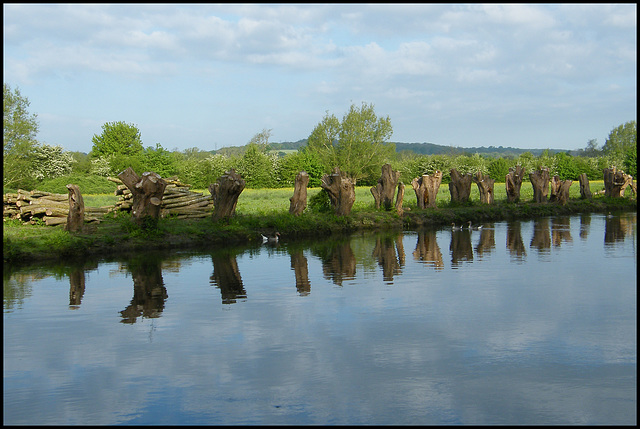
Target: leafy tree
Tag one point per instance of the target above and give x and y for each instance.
(18, 139)
(159, 161)
(566, 167)
(50, 162)
(592, 148)
(630, 161)
(257, 168)
(498, 169)
(302, 160)
(117, 138)
(621, 139)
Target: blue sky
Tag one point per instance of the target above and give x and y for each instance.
(210, 76)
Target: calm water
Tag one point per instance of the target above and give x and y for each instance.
(530, 322)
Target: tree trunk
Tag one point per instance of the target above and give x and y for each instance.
(540, 182)
(341, 190)
(75, 218)
(426, 189)
(585, 190)
(460, 186)
(147, 194)
(383, 191)
(513, 182)
(298, 202)
(225, 194)
(615, 182)
(560, 190)
(485, 186)
(399, 199)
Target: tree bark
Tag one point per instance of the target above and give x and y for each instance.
(615, 182)
(560, 190)
(225, 194)
(513, 183)
(147, 194)
(540, 182)
(399, 199)
(485, 186)
(298, 202)
(75, 218)
(585, 190)
(383, 191)
(341, 190)
(460, 186)
(426, 189)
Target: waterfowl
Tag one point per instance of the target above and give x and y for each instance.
(455, 228)
(272, 239)
(474, 227)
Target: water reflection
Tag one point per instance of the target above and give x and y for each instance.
(487, 241)
(515, 245)
(226, 276)
(427, 250)
(460, 247)
(338, 261)
(560, 230)
(76, 287)
(149, 293)
(541, 240)
(300, 267)
(389, 252)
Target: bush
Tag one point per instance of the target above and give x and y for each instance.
(88, 184)
(565, 167)
(498, 169)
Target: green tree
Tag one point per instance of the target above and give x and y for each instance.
(498, 169)
(257, 168)
(119, 143)
(621, 139)
(18, 140)
(159, 161)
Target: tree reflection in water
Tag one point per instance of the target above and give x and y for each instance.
(149, 293)
(427, 249)
(389, 253)
(515, 245)
(226, 276)
(460, 247)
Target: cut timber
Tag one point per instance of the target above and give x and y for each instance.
(426, 189)
(540, 182)
(384, 190)
(341, 190)
(485, 187)
(147, 193)
(615, 182)
(225, 193)
(298, 202)
(513, 183)
(75, 218)
(460, 186)
(560, 190)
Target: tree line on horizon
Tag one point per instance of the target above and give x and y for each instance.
(358, 144)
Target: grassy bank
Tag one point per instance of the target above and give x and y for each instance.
(266, 210)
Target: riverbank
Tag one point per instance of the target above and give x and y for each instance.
(119, 235)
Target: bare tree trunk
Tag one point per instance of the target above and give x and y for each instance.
(485, 186)
(513, 183)
(299, 198)
(75, 218)
(460, 186)
(341, 190)
(615, 182)
(560, 190)
(426, 189)
(399, 199)
(383, 191)
(585, 190)
(147, 193)
(540, 182)
(225, 194)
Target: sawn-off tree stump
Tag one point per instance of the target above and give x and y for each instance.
(513, 183)
(341, 190)
(384, 190)
(75, 218)
(460, 186)
(540, 182)
(298, 202)
(615, 182)
(585, 189)
(225, 194)
(485, 187)
(426, 189)
(560, 190)
(147, 194)
(400, 199)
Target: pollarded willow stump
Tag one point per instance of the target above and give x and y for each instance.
(75, 218)
(399, 199)
(147, 194)
(225, 193)
(615, 182)
(426, 189)
(513, 183)
(384, 190)
(298, 202)
(560, 190)
(585, 190)
(485, 187)
(341, 190)
(460, 186)
(540, 182)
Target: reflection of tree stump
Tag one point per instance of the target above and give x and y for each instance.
(383, 191)
(341, 190)
(385, 252)
(147, 193)
(485, 186)
(540, 238)
(76, 287)
(299, 198)
(226, 276)
(75, 218)
(540, 182)
(427, 249)
(460, 186)
(399, 199)
(149, 293)
(487, 241)
(615, 182)
(514, 240)
(460, 247)
(585, 190)
(426, 189)
(513, 182)
(560, 230)
(301, 270)
(560, 190)
(225, 194)
(339, 263)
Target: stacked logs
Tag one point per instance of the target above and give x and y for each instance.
(35, 206)
(178, 200)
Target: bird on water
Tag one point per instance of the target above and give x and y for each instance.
(272, 239)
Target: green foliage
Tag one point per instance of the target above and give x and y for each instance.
(88, 184)
(621, 139)
(498, 169)
(319, 202)
(117, 138)
(566, 168)
(51, 162)
(302, 160)
(630, 161)
(159, 161)
(258, 169)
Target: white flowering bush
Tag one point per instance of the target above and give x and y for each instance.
(50, 162)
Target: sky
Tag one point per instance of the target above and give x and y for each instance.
(529, 76)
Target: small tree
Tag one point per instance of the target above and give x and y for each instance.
(621, 139)
(50, 162)
(121, 144)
